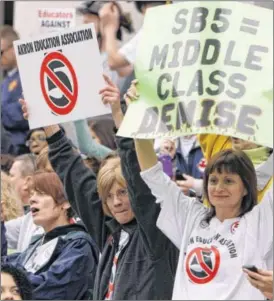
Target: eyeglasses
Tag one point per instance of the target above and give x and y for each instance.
(120, 194)
(38, 138)
(4, 50)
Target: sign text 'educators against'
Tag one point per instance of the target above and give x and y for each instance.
(55, 19)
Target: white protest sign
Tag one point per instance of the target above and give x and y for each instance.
(56, 19)
(61, 75)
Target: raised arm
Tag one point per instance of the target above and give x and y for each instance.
(109, 17)
(87, 144)
(79, 182)
(145, 152)
(80, 185)
(143, 202)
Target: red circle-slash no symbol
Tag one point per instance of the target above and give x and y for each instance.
(202, 264)
(46, 71)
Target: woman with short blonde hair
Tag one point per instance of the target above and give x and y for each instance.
(109, 173)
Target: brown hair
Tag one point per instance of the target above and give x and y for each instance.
(11, 207)
(50, 184)
(103, 128)
(237, 162)
(109, 173)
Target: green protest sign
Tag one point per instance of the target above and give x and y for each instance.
(204, 67)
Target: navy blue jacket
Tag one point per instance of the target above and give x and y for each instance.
(12, 116)
(191, 167)
(70, 270)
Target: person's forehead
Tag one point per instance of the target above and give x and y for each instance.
(223, 173)
(37, 133)
(7, 280)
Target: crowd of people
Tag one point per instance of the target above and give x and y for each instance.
(189, 218)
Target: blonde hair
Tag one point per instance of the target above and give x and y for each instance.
(110, 172)
(12, 208)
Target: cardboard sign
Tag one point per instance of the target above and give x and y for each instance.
(210, 70)
(61, 75)
(56, 19)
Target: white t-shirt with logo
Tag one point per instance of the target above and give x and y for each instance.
(212, 255)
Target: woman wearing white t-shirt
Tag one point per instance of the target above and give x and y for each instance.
(215, 243)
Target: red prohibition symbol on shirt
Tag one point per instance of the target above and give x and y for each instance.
(202, 264)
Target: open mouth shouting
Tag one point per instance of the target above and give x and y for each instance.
(34, 210)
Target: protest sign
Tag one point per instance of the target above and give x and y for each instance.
(55, 19)
(205, 68)
(61, 75)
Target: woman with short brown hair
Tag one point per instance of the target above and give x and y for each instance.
(216, 242)
(61, 263)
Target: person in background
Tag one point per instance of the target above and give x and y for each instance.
(87, 144)
(21, 229)
(11, 91)
(187, 159)
(14, 284)
(36, 141)
(62, 262)
(21, 173)
(190, 164)
(126, 55)
(42, 160)
(90, 13)
(101, 129)
(90, 10)
(11, 207)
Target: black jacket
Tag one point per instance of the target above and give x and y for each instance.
(147, 265)
(65, 270)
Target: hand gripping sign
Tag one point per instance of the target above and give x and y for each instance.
(209, 71)
(61, 74)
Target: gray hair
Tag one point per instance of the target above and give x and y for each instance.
(28, 164)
